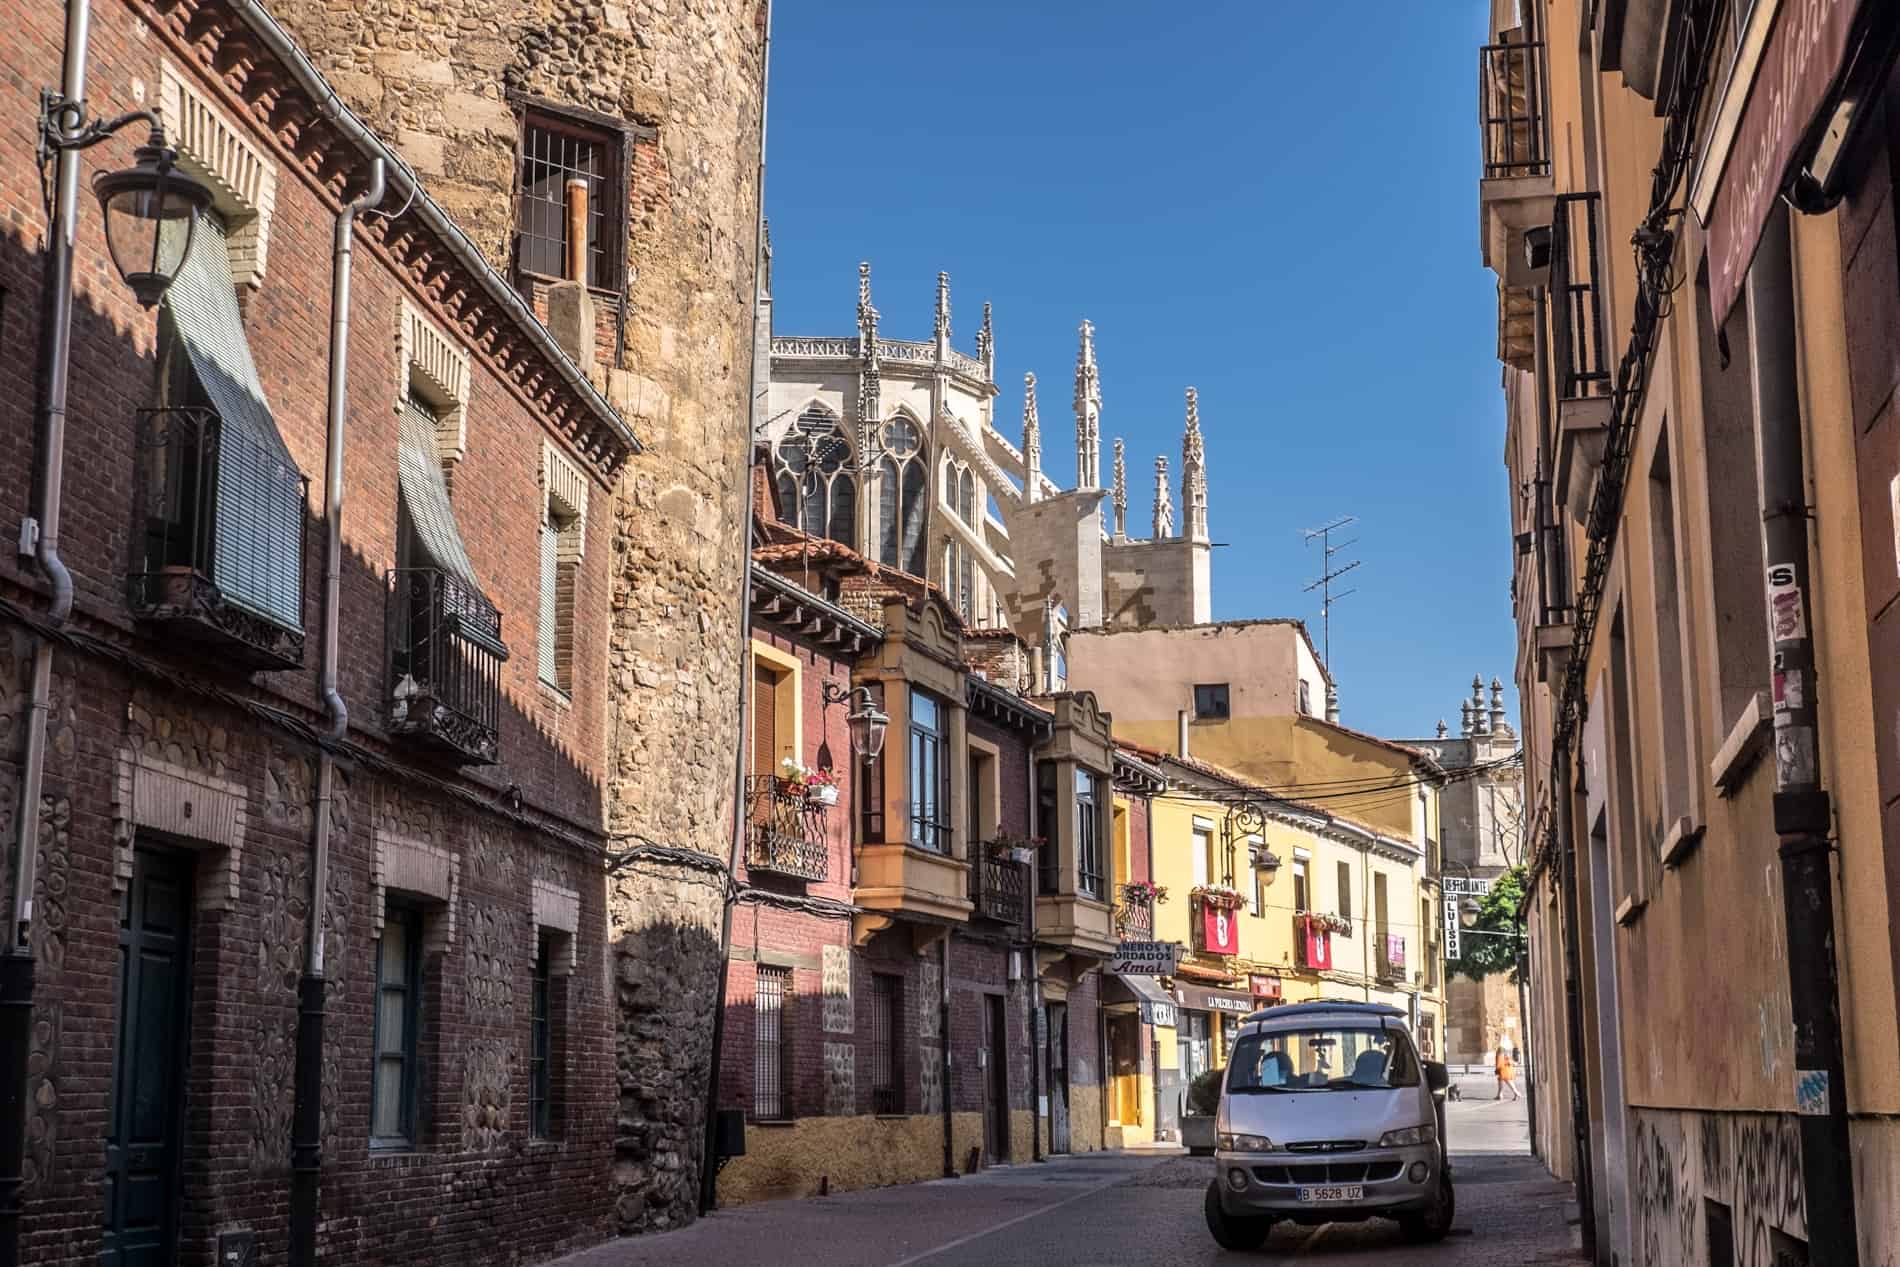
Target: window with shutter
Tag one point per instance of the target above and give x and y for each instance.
(563, 534)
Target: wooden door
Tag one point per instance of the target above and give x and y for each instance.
(144, 1134)
(1058, 1077)
(995, 1079)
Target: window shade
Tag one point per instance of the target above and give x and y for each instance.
(425, 498)
(549, 605)
(257, 554)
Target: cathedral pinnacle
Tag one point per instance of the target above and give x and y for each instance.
(986, 344)
(1193, 473)
(1088, 413)
(1164, 504)
(1032, 442)
(1121, 493)
(943, 306)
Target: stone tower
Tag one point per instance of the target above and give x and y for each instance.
(643, 123)
(1088, 413)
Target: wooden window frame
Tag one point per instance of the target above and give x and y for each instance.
(412, 920)
(615, 142)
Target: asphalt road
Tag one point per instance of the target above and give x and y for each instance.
(1120, 1209)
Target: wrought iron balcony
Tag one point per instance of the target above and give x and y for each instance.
(1511, 109)
(786, 832)
(445, 657)
(1135, 916)
(1576, 334)
(999, 889)
(219, 557)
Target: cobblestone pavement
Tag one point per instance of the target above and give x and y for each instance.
(1123, 1209)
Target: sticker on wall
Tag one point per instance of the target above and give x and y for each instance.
(1794, 757)
(1785, 619)
(1810, 1092)
(1788, 688)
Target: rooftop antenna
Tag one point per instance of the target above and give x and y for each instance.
(1328, 574)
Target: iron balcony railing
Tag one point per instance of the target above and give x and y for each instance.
(187, 463)
(1511, 110)
(1135, 917)
(785, 834)
(999, 889)
(1576, 295)
(445, 657)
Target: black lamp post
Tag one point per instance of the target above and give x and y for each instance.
(867, 723)
(141, 204)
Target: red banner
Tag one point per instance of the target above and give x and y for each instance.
(1798, 65)
(1317, 946)
(1220, 930)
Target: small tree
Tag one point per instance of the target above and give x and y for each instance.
(1497, 913)
(1204, 1092)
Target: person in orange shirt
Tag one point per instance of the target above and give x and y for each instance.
(1507, 1072)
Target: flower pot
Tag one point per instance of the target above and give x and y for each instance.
(1024, 856)
(826, 795)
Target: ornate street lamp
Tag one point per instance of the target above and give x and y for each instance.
(1468, 912)
(866, 722)
(145, 205)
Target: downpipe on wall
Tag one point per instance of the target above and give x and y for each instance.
(306, 1123)
(1562, 796)
(16, 964)
(708, 1160)
(1802, 810)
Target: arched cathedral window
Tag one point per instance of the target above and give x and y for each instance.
(966, 496)
(815, 487)
(903, 496)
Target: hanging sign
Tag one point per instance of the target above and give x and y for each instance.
(1145, 959)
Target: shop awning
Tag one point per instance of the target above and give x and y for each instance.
(1784, 70)
(1202, 998)
(1157, 1006)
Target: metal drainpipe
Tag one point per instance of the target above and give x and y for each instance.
(708, 1162)
(306, 1128)
(1802, 812)
(1573, 1002)
(943, 1004)
(16, 965)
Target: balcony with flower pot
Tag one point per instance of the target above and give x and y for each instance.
(1135, 912)
(999, 878)
(785, 832)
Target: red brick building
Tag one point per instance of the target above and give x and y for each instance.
(467, 1073)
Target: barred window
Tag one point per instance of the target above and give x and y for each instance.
(887, 1054)
(772, 1045)
(563, 159)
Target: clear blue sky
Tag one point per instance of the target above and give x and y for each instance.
(1275, 202)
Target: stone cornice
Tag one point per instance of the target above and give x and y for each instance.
(228, 44)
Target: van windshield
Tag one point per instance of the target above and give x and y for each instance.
(1322, 1059)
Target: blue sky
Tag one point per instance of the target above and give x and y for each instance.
(1275, 202)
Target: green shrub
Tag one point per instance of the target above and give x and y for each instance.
(1204, 1091)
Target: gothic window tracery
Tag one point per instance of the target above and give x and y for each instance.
(816, 486)
(903, 496)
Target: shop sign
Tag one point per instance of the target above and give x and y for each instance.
(1156, 1012)
(1263, 986)
(1205, 999)
(1220, 930)
(1145, 959)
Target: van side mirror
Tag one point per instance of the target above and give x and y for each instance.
(1437, 1077)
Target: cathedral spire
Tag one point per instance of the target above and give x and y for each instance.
(1121, 493)
(1032, 442)
(943, 307)
(1193, 473)
(1088, 413)
(1164, 504)
(986, 345)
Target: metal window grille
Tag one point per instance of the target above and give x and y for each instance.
(887, 1080)
(553, 152)
(771, 1045)
(540, 1083)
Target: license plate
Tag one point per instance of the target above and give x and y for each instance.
(1342, 1192)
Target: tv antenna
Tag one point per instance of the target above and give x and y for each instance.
(1328, 574)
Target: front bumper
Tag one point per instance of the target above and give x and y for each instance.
(1271, 1182)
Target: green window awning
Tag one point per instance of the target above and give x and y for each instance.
(435, 539)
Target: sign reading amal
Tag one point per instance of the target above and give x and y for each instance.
(1146, 959)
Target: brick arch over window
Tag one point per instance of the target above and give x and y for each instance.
(816, 478)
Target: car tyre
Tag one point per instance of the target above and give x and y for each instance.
(1435, 1223)
(1233, 1231)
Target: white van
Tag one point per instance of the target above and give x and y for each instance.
(1327, 1114)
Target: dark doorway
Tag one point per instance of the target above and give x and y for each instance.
(143, 1137)
(995, 1080)
(1058, 1077)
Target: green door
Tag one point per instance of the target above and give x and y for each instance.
(143, 1137)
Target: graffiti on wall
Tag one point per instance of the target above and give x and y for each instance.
(1750, 1162)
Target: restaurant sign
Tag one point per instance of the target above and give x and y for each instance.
(1806, 46)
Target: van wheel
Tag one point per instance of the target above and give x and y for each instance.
(1237, 1232)
(1434, 1224)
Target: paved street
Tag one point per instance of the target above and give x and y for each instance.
(1123, 1209)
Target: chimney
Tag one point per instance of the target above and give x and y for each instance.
(571, 318)
(1181, 729)
(576, 229)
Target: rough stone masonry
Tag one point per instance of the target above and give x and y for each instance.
(447, 80)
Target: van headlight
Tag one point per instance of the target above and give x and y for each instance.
(1410, 1135)
(1244, 1143)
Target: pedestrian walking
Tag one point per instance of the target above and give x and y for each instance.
(1507, 1072)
